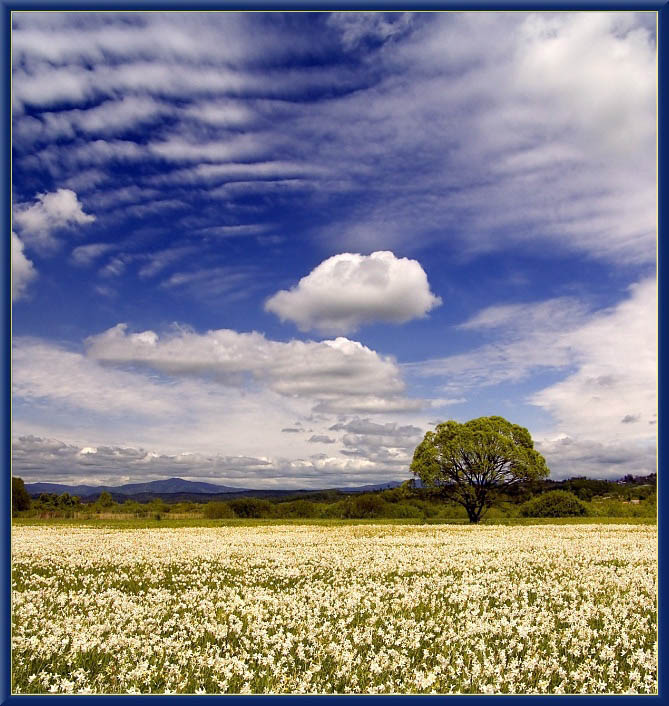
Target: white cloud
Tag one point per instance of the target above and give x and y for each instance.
(321, 439)
(564, 153)
(160, 260)
(337, 371)
(528, 337)
(380, 26)
(109, 117)
(231, 283)
(607, 402)
(390, 443)
(49, 212)
(242, 146)
(86, 254)
(109, 422)
(37, 458)
(68, 379)
(23, 270)
(559, 142)
(576, 456)
(225, 113)
(180, 406)
(348, 290)
(616, 377)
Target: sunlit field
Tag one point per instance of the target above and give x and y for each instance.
(335, 609)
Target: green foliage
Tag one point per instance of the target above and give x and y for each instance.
(403, 510)
(20, 497)
(474, 461)
(251, 507)
(158, 505)
(105, 499)
(217, 510)
(367, 505)
(615, 507)
(554, 503)
(297, 508)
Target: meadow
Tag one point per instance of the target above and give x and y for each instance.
(264, 607)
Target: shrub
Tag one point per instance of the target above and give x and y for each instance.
(611, 507)
(251, 507)
(367, 506)
(403, 510)
(297, 508)
(158, 505)
(554, 503)
(336, 510)
(217, 510)
(427, 509)
(105, 499)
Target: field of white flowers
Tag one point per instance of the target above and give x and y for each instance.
(348, 609)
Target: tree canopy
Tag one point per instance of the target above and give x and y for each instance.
(475, 460)
(20, 497)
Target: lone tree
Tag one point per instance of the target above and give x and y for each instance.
(474, 461)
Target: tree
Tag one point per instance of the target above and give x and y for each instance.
(216, 510)
(554, 503)
(20, 497)
(476, 460)
(105, 499)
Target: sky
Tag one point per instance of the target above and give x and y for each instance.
(274, 249)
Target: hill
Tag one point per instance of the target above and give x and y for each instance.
(179, 490)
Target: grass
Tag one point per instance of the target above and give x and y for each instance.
(150, 523)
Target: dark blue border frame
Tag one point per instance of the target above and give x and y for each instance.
(6, 7)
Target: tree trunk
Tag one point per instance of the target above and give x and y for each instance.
(474, 515)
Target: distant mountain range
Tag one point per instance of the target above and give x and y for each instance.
(178, 488)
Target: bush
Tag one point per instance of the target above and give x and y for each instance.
(361, 507)
(297, 508)
(158, 505)
(217, 510)
(427, 509)
(105, 499)
(367, 506)
(403, 510)
(554, 503)
(611, 507)
(251, 507)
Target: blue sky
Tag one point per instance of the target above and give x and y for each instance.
(272, 249)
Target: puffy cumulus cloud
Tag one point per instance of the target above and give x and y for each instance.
(348, 290)
(49, 212)
(334, 372)
(23, 270)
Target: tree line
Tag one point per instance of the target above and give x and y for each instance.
(472, 468)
